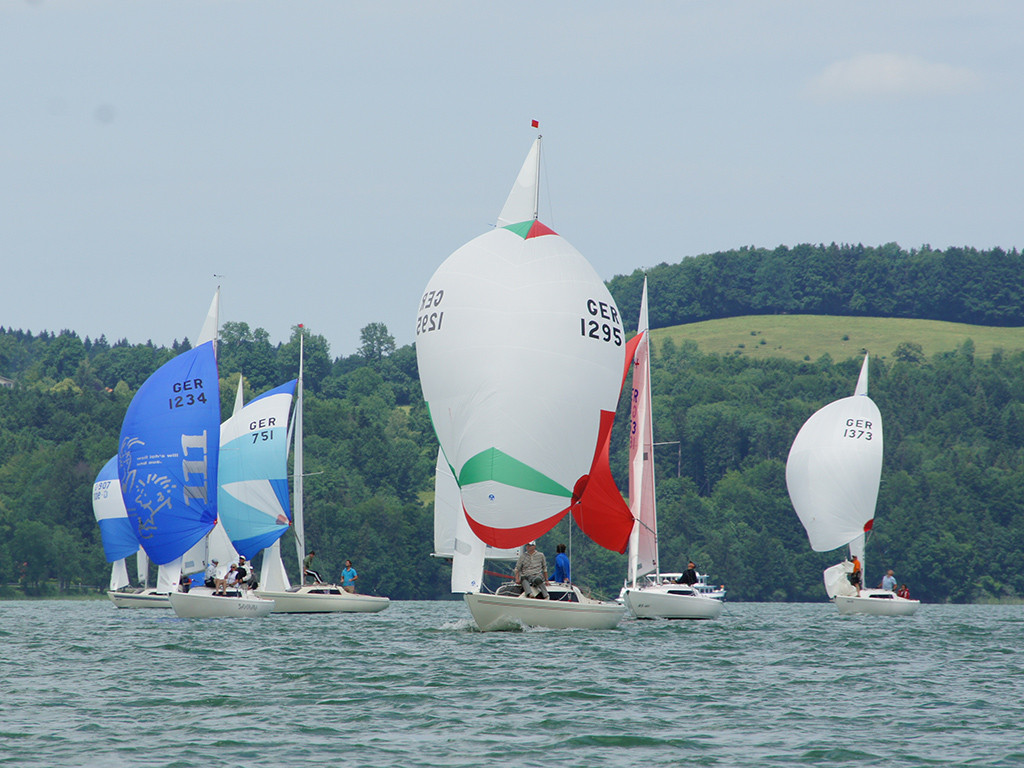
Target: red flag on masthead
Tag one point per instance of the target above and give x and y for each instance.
(535, 124)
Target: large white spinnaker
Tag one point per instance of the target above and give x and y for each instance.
(834, 469)
(521, 351)
(643, 541)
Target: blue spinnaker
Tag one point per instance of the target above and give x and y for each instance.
(167, 461)
(253, 474)
(116, 529)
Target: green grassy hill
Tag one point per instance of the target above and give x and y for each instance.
(799, 337)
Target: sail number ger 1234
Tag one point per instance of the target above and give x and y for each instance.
(186, 396)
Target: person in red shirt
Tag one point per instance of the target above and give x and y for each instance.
(903, 592)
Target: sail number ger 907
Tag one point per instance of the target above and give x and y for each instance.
(593, 328)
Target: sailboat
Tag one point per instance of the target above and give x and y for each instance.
(167, 461)
(215, 544)
(520, 350)
(833, 473)
(274, 584)
(252, 487)
(119, 542)
(659, 597)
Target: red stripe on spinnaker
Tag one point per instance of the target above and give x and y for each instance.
(507, 538)
(597, 505)
(598, 508)
(538, 230)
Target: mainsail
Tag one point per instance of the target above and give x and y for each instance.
(643, 542)
(167, 461)
(253, 471)
(520, 350)
(834, 469)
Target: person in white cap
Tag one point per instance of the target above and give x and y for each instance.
(210, 577)
(531, 572)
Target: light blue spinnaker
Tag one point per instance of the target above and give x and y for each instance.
(167, 462)
(253, 480)
(116, 529)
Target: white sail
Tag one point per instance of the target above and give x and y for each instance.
(834, 469)
(521, 204)
(520, 350)
(211, 324)
(142, 567)
(447, 507)
(837, 580)
(273, 576)
(118, 575)
(468, 559)
(643, 540)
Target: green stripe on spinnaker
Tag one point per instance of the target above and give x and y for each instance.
(522, 228)
(492, 464)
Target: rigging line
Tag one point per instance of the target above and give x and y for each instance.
(543, 182)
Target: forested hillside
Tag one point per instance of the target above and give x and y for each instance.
(950, 516)
(959, 285)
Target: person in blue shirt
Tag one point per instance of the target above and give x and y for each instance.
(348, 577)
(889, 581)
(562, 573)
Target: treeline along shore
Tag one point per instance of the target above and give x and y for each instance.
(950, 517)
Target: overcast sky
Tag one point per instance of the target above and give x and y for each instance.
(325, 157)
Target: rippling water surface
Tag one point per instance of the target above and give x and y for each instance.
(86, 684)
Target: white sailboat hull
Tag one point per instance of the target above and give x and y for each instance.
(875, 602)
(146, 598)
(670, 601)
(323, 598)
(497, 612)
(203, 604)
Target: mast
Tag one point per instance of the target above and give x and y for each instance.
(300, 535)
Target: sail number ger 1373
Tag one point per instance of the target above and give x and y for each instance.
(857, 429)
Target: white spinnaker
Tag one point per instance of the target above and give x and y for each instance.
(524, 351)
(643, 540)
(834, 469)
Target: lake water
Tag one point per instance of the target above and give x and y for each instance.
(86, 684)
